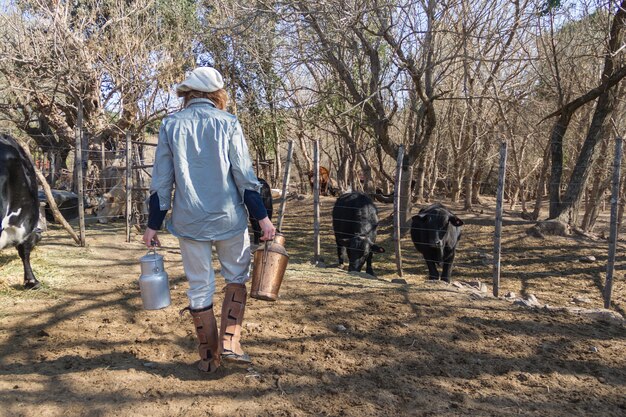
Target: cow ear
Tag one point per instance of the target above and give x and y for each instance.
(421, 216)
(378, 249)
(456, 221)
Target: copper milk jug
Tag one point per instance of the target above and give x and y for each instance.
(153, 282)
(270, 263)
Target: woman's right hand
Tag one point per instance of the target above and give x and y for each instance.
(150, 238)
(269, 231)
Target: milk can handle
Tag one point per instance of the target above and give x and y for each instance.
(153, 250)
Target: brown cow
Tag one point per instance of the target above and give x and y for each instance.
(324, 180)
(112, 204)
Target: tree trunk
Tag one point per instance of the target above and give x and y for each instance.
(469, 184)
(434, 173)
(353, 174)
(523, 197)
(585, 161)
(599, 186)
(277, 174)
(303, 179)
(420, 178)
(556, 157)
(476, 185)
(368, 186)
(342, 173)
(541, 184)
(457, 183)
(606, 101)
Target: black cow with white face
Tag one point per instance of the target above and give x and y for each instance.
(355, 219)
(266, 196)
(19, 205)
(435, 232)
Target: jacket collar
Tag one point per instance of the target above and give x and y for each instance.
(196, 101)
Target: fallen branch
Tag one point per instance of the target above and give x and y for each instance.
(48, 192)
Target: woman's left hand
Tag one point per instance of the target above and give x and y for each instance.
(269, 231)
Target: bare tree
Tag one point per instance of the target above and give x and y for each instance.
(116, 59)
(604, 94)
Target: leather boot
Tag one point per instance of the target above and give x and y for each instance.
(230, 324)
(209, 343)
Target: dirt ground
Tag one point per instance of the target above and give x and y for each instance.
(334, 344)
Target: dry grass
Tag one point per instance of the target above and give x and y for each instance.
(333, 344)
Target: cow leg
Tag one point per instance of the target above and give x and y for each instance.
(24, 249)
(447, 267)
(432, 270)
(340, 254)
(368, 266)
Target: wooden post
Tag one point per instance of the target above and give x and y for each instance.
(129, 185)
(102, 154)
(396, 211)
(316, 201)
(52, 159)
(283, 197)
(617, 164)
(78, 166)
(499, 209)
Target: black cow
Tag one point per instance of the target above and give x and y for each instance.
(19, 205)
(66, 201)
(355, 219)
(435, 232)
(266, 195)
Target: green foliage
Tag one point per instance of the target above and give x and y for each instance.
(549, 6)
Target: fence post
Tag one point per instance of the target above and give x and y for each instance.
(396, 211)
(129, 188)
(102, 153)
(78, 166)
(283, 197)
(617, 164)
(498, 232)
(52, 159)
(316, 201)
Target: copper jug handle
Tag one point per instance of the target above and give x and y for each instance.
(266, 251)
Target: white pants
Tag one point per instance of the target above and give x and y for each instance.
(234, 257)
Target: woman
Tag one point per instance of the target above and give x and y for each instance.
(202, 151)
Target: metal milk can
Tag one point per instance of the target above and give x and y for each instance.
(270, 263)
(153, 282)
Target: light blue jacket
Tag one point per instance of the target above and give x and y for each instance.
(202, 151)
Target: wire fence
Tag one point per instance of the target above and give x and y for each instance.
(120, 191)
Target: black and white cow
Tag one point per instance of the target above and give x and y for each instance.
(435, 232)
(19, 205)
(355, 219)
(266, 195)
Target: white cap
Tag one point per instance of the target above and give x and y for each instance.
(205, 79)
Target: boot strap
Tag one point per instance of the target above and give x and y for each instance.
(182, 311)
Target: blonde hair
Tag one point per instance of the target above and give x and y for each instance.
(219, 97)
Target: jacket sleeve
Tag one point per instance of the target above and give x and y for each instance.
(163, 171)
(241, 164)
(254, 204)
(155, 214)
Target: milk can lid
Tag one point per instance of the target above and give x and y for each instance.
(151, 257)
